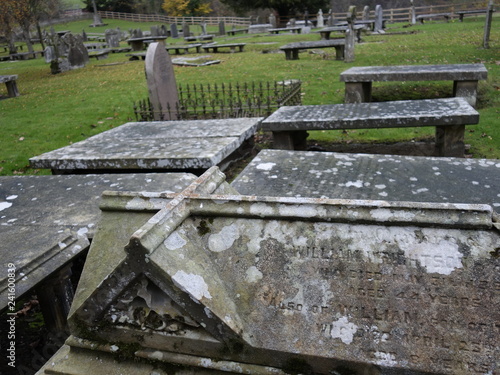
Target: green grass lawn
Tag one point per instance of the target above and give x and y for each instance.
(56, 110)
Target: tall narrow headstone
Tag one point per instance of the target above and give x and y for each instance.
(222, 28)
(272, 20)
(330, 20)
(413, 15)
(487, 25)
(85, 38)
(379, 19)
(174, 32)
(320, 20)
(349, 35)
(154, 30)
(163, 30)
(203, 26)
(185, 30)
(366, 13)
(162, 86)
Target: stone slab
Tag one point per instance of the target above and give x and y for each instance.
(448, 72)
(247, 284)
(436, 112)
(149, 146)
(282, 173)
(46, 221)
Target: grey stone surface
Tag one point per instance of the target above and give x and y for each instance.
(292, 49)
(197, 144)
(372, 115)
(113, 37)
(349, 35)
(174, 32)
(46, 221)
(358, 80)
(320, 20)
(259, 28)
(281, 173)
(447, 72)
(243, 284)
(162, 86)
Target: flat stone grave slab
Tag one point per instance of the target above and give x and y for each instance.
(246, 284)
(47, 221)
(191, 146)
(281, 173)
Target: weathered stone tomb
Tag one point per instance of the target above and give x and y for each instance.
(218, 284)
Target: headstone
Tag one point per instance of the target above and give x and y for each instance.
(162, 86)
(174, 32)
(379, 19)
(244, 284)
(222, 28)
(366, 13)
(203, 26)
(306, 18)
(163, 30)
(96, 16)
(320, 20)
(413, 14)
(349, 35)
(487, 25)
(185, 30)
(49, 54)
(330, 20)
(292, 22)
(272, 20)
(112, 38)
(78, 55)
(154, 30)
(84, 36)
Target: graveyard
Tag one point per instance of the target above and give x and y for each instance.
(351, 228)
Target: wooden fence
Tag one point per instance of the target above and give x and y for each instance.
(160, 18)
(390, 15)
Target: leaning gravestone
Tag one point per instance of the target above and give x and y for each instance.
(78, 55)
(161, 82)
(242, 284)
(379, 19)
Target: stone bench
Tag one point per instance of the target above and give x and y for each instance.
(207, 37)
(138, 44)
(325, 33)
(10, 83)
(136, 56)
(236, 31)
(178, 49)
(462, 13)
(26, 55)
(292, 49)
(100, 54)
(423, 17)
(294, 30)
(232, 47)
(290, 124)
(358, 80)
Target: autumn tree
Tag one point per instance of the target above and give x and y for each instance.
(186, 8)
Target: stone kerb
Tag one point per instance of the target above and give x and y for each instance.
(375, 286)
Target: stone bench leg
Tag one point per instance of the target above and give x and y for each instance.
(12, 88)
(339, 52)
(358, 92)
(450, 140)
(292, 140)
(467, 90)
(291, 54)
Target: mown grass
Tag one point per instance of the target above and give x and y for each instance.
(56, 110)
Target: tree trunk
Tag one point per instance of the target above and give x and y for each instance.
(40, 36)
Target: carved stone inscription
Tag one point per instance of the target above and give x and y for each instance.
(424, 299)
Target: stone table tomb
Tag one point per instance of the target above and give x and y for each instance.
(215, 284)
